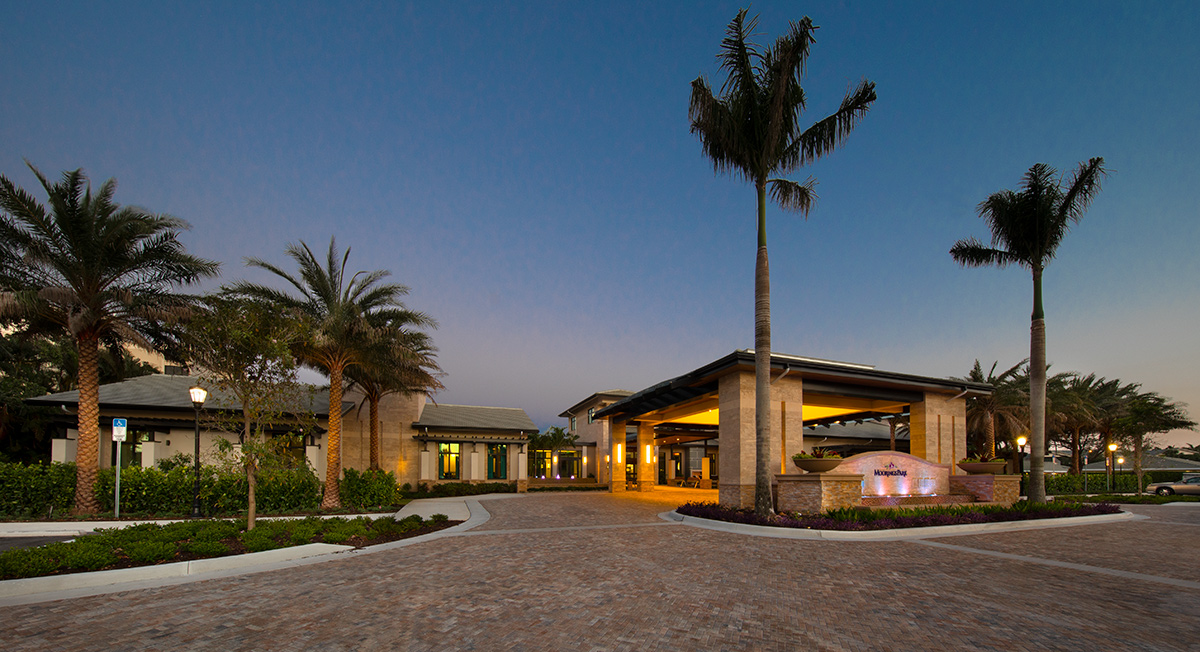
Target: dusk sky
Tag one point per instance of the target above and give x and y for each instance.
(529, 172)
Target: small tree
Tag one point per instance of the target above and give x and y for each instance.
(243, 351)
(1148, 413)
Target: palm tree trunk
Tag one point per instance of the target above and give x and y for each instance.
(762, 364)
(989, 436)
(1075, 465)
(333, 456)
(1137, 460)
(87, 456)
(374, 432)
(1037, 395)
(892, 433)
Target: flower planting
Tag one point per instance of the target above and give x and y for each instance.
(887, 519)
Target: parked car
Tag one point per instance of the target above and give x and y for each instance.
(1185, 487)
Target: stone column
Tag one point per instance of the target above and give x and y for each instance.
(647, 473)
(787, 422)
(937, 429)
(603, 448)
(617, 464)
(735, 393)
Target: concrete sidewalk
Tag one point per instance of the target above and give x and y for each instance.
(454, 507)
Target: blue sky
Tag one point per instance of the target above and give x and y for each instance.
(528, 171)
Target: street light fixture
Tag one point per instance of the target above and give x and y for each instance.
(1021, 441)
(1112, 448)
(197, 394)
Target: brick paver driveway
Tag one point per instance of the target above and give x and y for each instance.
(602, 572)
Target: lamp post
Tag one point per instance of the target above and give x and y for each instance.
(198, 394)
(1112, 448)
(1021, 441)
(1121, 461)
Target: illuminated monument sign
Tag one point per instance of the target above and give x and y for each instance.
(886, 473)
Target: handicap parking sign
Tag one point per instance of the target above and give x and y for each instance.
(119, 429)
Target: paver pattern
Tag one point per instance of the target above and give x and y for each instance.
(663, 587)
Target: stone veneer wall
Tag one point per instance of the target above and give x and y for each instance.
(986, 488)
(817, 492)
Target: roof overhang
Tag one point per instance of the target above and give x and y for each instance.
(847, 388)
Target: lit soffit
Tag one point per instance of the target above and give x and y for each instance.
(809, 413)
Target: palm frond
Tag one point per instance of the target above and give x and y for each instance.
(972, 253)
(793, 196)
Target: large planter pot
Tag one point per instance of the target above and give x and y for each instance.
(983, 468)
(818, 464)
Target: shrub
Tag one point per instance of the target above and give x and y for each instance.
(178, 460)
(35, 489)
(205, 548)
(149, 551)
(154, 491)
(1065, 483)
(453, 489)
(439, 518)
(369, 489)
(865, 519)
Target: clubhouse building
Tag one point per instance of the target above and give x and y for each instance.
(698, 429)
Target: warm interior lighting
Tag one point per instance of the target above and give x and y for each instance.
(198, 395)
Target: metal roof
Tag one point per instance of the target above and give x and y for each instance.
(472, 417)
(170, 393)
(610, 393)
(821, 376)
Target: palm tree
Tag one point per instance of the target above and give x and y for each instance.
(753, 130)
(1003, 405)
(1027, 227)
(102, 273)
(342, 322)
(1146, 413)
(403, 363)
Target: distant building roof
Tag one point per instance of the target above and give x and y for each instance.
(1149, 463)
(472, 417)
(170, 393)
(615, 394)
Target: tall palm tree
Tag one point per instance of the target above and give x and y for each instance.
(753, 130)
(1027, 227)
(1003, 407)
(342, 317)
(101, 272)
(403, 363)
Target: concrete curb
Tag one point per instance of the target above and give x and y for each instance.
(57, 587)
(79, 528)
(53, 583)
(1181, 504)
(901, 534)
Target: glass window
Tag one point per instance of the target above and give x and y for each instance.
(572, 424)
(591, 414)
(448, 456)
(497, 462)
(539, 464)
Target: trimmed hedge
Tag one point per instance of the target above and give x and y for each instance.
(369, 489)
(452, 489)
(1123, 482)
(36, 490)
(151, 491)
